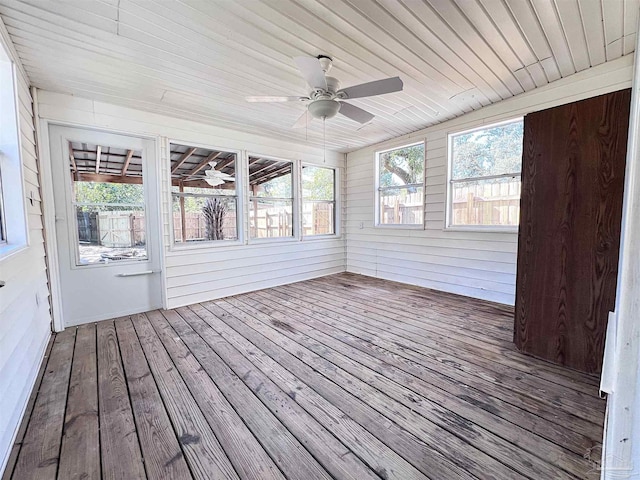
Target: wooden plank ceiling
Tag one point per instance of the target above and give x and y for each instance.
(198, 59)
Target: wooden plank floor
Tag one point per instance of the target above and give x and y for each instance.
(344, 377)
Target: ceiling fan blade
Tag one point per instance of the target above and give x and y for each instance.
(370, 89)
(312, 72)
(271, 99)
(355, 113)
(303, 121)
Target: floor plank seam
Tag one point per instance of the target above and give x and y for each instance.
(251, 390)
(232, 405)
(405, 337)
(390, 399)
(406, 308)
(187, 384)
(393, 316)
(164, 406)
(453, 431)
(66, 403)
(126, 382)
(342, 377)
(27, 418)
(319, 373)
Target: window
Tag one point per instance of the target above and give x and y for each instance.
(400, 192)
(204, 194)
(271, 198)
(318, 201)
(108, 200)
(13, 224)
(484, 187)
(3, 228)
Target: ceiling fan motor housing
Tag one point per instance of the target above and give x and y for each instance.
(324, 108)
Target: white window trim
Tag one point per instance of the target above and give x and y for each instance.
(16, 226)
(449, 190)
(296, 174)
(337, 219)
(376, 195)
(205, 244)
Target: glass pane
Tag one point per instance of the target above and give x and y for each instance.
(270, 218)
(108, 197)
(402, 206)
(491, 151)
(111, 222)
(270, 178)
(486, 202)
(203, 219)
(403, 166)
(202, 170)
(317, 217)
(318, 183)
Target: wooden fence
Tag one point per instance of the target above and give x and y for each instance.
(495, 203)
(127, 229)
(402, 209)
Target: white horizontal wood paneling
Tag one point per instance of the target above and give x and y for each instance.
(477, 264)
(208, 272)
(198, 59)
(25, 321)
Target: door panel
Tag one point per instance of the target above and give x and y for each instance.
(107, 224)
(569, 237)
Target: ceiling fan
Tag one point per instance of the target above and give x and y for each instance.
(326, 99)
(215, 177)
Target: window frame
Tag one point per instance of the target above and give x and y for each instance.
(336, 195)
(295, 200)
(15, 224)
(377, 188)
(239, 180)
(3, 223)
(448, 226)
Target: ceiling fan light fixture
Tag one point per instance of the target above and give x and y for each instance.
(324, 108)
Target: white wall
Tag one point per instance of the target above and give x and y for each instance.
(24, 320)
(203, 273)
(621, 453)
(476, 264)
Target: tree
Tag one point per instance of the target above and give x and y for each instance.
(102, 192)
(278, 187)
(317, 183)
(404, 166)
(492, 151)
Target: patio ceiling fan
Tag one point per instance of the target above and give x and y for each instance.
(215, 177)
(326, 99)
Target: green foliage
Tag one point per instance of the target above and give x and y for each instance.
(317, 183)
(98, 193)
(403, 166)
(279, 187)
(492, 151)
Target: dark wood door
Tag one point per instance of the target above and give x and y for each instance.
(571, 207)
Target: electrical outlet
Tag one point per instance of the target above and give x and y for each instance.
(361, 225)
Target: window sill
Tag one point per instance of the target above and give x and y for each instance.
(8, 250)
(313, 238)
(481, 229)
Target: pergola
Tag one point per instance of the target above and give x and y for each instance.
(96, 163)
